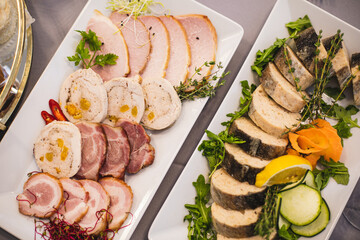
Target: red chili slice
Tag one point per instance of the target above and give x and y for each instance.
(48, 118)
(56, 110)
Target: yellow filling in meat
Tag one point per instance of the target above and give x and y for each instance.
(134, 111)
(124, 108)
(85, 104)
(49, 156)
(151, 116)
(73, 111)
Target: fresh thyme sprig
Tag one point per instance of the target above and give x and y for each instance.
(267, 220)
(205, 87)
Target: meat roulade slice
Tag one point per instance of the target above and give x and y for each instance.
(95, 220)
(121, 198)
(74, 206)
(42, 195)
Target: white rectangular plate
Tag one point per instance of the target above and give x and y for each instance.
(169, 221)
(16, 147)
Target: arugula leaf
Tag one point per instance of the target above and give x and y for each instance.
(336, 170)
(90, 42)
(199, 214)
(297, 26)
(345, 122)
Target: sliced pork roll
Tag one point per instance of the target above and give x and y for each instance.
(142, 153)
(118, 152)
(125, 100)
(163, 105)
(234, 224)
(269, 116)
(160, 48)
(57, 149)
(240, 165)
(113, 42)
(42, 195)
(257, 142)
(232, 194)
(93, 150)
(202, 39)
(300, 71)
(340, 63)
(83, 97)
(121, 198)
(180, 56)
(95, 220)
(137, 40)
(74, 205)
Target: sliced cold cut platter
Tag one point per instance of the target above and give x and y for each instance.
(17, 145)
(169, 221)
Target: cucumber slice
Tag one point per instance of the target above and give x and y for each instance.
(309, 179)
(316, 226)
(300, 205)
(282, 222)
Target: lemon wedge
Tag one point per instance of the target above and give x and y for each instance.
(284, 169)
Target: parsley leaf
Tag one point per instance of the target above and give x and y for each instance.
(336, 170)
(199, 214)
(90, 42)
(345, 122)
(287, 234)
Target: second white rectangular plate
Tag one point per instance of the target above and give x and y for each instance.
(169, 221)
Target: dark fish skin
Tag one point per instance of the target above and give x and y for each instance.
(234, 232)
(254, 146)
(355, 60)
(327, 43)
(241, 172)
(251, 200)
(305, 45)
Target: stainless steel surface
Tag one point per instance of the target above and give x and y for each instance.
(54, 18)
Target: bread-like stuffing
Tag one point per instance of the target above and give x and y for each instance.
(280, 90)
(269, 116)
(232, 194)
(241, 165)
(232, 223)
(299, 70)
(257, 142)
(57, 149)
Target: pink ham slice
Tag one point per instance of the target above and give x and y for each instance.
(118, 152)
(179, 61)
(142, 152)
(95, 220)
(202, 39)
(42, 195)
(160, 48)
(121, 198)
(93, 150)
(74, 206)
(114, 43)
(137, 40)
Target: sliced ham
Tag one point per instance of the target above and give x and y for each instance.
(118, 152)
(74, 205)
(95, 220)
(142, 153)
(180, 55)
(137, 40)
(42, 195)
(93, 150)
(202, 39)
(160, 48)
(121, 198)
(113, 42)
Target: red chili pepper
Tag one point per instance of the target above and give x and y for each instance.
(48, 118)
(56, 110)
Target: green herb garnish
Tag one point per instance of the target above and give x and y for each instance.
(205, 87)
(336, 170)
(199, 213)
(90, 43)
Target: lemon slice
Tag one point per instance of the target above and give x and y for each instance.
(284, 169)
